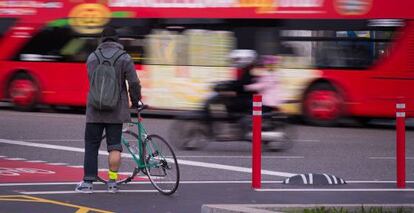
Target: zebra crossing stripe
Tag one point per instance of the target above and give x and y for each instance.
(335, 179)
(305, 181)
(310, 178)
(327, 178)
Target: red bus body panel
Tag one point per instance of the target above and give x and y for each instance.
(375, 91)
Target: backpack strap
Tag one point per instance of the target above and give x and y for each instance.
(98, 56)
(111, 60)
(116, 56)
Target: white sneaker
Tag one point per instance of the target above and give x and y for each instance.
(84, 187)
(112, 186)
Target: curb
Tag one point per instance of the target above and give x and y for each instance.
(228, 208)
(281, 208)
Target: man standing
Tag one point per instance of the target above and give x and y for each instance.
(111, 119)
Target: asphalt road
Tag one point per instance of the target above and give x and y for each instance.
(219, 173)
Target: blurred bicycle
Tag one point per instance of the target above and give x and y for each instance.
(226, 116)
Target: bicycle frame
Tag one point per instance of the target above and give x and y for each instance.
(142, 133)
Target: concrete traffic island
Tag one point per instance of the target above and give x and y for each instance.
(299, 208)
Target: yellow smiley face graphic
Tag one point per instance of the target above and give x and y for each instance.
(89, 18)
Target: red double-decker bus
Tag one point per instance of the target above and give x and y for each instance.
(338, 57)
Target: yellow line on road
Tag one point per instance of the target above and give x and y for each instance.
(82, 210)
(26, 198)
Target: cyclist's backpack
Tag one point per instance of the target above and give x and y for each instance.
(104, 89)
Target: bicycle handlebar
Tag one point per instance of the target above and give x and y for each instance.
(141, 107)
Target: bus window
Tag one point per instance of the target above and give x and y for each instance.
(176, 42)
(58, 44)
(78, 49)
(5, 24)
(45, 45)
(134, 47)
(336, 49)
(193, 47)
(162, 48)
(261, 39)
(208, 47)
(132, 33)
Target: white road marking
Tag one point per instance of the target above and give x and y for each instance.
(36, 161)
(335, 180)
(74, 192)
(25, 114)
(15, 158)
(54, 140)
(76, 166)
(240, 156)
(328, 178)
(307, 141)
(376, 181)
(309, 206)
(233, 168)
(304, 180)
(388, 158)
(310, 178)
(337, 190)
(57, 164)
(183, 162)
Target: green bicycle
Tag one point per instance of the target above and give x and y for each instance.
(152, 155)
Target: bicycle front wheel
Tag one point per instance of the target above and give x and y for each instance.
(161, 164)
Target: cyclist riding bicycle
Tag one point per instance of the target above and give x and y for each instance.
(233, 94)
(227, 115)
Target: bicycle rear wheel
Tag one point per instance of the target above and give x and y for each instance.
(161, 164)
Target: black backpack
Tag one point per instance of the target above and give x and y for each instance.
(104, 89)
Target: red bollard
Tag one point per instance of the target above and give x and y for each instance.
(257, 142)
(400, 122)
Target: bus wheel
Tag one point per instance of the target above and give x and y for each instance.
(23, 92)
(322, 105)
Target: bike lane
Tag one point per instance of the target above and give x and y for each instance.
(19, 171)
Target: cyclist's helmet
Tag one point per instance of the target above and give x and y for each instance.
(241, 58)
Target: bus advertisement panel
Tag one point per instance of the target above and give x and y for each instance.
(333, 54)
